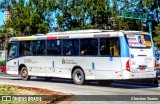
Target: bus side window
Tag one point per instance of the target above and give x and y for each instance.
(13, 51)
(111, 51)
(109, 46)
(114, 51)
(83, 51)
(114, 47)
(68, 53)
(89, 46)
(71, 47)
(104, 46)
(25, 48)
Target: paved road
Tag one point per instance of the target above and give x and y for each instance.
(93, 88)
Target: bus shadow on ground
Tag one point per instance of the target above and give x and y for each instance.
(129, 84)
(117, 84)
(125, 85)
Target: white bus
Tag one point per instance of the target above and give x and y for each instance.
(83, 55)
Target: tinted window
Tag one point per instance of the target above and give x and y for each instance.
(39, 47)
(25, 48)
(71, 47)
(12, 50)
(53, 47)
(89, 46)
(109, 46)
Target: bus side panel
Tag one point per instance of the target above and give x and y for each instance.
(12, 67)
(107, 67)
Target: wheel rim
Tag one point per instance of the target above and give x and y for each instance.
(78, 77)
(24, 73)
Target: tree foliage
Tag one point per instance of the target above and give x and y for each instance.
(29, 17)
(41, 16)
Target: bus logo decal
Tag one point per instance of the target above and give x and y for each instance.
(64, 61)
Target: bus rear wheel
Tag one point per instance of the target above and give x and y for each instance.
(24, 74)
(79, 77)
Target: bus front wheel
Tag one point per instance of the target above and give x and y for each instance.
(79, 77)
(24, 74)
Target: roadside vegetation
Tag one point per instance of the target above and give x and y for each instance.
(17, 90)
(2, 63)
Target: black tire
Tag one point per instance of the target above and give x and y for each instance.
(24, 74)
(79, 77)
(105, 82)
(47, 78)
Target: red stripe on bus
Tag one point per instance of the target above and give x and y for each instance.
(51, 38)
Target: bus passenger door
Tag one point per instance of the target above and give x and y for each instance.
(12, 61)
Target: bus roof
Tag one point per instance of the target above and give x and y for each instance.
(78, 32)
(75, 34)
(134, 32)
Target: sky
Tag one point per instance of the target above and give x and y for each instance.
(2, 15)
(1, 18)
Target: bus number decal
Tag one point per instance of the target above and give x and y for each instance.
(27, 60)
(30, 61)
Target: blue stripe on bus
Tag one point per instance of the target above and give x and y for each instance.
(18, 63)
(41, 38)
(111, 58)
(153, 49)
(93, 66)
(124, 48)
(53, 64)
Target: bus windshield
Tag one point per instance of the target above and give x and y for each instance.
(139, 41)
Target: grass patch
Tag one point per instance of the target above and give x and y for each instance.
(6, 90)
(28, 91)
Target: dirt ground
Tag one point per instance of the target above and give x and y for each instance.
(60, 97)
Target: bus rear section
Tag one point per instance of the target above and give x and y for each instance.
(141, 62)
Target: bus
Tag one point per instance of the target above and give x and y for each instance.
(83, 55)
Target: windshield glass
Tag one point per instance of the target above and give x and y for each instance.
(141, 40)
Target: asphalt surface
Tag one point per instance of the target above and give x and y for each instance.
(93, 88)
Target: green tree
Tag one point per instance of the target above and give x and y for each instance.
(157, 38)
(29, 18)
(70, 14)
(39, 16)
(5, 34)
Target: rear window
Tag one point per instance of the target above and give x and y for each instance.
(139, 41)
